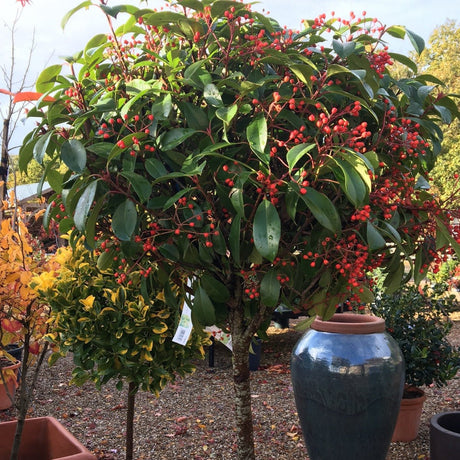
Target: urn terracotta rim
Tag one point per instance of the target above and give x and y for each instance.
(350, 323)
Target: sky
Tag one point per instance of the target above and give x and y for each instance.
(43, 17)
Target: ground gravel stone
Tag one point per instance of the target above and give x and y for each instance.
(192, 419)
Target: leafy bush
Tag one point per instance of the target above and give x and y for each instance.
(419, 321)
(116, 331)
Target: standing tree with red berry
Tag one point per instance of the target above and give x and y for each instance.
(267, 166)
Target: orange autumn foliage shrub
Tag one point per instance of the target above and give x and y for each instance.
(22, 316)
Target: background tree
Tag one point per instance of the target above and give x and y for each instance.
(442, 59)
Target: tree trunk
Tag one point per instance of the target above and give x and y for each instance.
(4, 163)
(132, 390)
(242, 387)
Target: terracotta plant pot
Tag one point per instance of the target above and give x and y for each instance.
(8, 389)
(410, 412)
(445, 436)
(43, 438)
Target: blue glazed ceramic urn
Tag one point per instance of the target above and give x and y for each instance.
(348, 380)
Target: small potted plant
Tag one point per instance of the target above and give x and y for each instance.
(418, 319)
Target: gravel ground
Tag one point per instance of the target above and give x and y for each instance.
(192, 419)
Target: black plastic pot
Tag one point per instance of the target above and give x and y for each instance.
(445, 436)
(16, 352)
(255, 354)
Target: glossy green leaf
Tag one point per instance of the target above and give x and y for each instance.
(55, 178)
(267, 230)
(127, 141)
(196, 5)
(161, 109)
(197, 76)
(417, 42)
(394, 279)
(321, 207)
(155, 168)
(351, 182)
(444, 112)
(174, 198)
(292, 199)
(115, 10)
(203, 309)
(70, 13)
(296, 153)
(270, 288)
(169, 251)
(256, 133)
(105, 259)
(84, 205)
(343, 49)
(237, 199)
(396, 31)
(101, 149)
(216, 290)
(375, 240)
(73, 154)
(195, 116)
(124, 220)
(41, 146)
(212, 95)
(140, 184)
(303, 72)
(226, 114)
(174, 137)
(405, 61)
(441, 229)
(90, 227)
(219, 7)
(47, 78)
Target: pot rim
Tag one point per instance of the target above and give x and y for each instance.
(434, 422)
(11, 366)
(350, 323)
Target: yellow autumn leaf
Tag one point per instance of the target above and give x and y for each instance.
(25, 277)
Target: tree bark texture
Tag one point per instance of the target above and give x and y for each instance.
(242, 388)
(132, 390)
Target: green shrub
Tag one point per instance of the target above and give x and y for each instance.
(419, 321)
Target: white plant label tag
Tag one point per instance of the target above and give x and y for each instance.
(184, 329)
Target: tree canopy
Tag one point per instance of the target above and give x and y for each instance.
(442, 59)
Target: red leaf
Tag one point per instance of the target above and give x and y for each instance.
(11, 325)
(31, 96)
